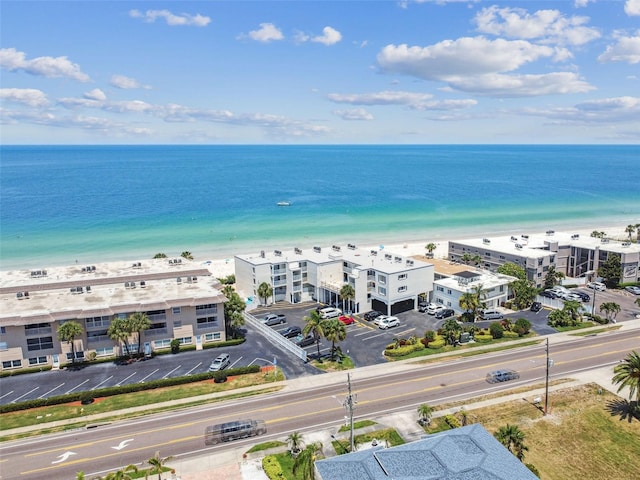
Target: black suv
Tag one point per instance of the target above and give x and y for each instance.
(291, 332)
(372, 315)
(445, 313)
(536, 307)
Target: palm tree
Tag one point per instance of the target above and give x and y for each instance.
(348, 293)
(295, 442)
(574, 309)
(334, 331)
(80, 475)
(451, 328)
(630, 230)
(186, 254)
(68, 332)
(513, 438)
(464, 417)
(481, 295)
(553, 277)
(118, 332)
(264, 292)
(430, 248)
(611, 310)
(314, 325)
(158, 464)
(627, 374)
(637, 225)
(122, 474)
(469, 302)
(425, 412)
(304, 466)
(233, 308)
(137, 323)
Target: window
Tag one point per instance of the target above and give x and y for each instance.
(210, 306)
(449, 292)
(208, 337)
(104, 352)
(37, 360)
(502, 257)
(40, 343)
(402, 276)
(4, 346)
(207, 322)
(382, 290)
(402, 288)
(97, 336)
(12, 364)
(176, 310)
(3, 330)
(177, 324)
(382, 279)
(439, 288)
(164, 343)
(37, 328)
(92, 322)
(79, 356)
(186, 340)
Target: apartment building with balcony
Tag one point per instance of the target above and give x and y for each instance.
(494, 286)
(382, 281)
(181, 300)
(570, 253)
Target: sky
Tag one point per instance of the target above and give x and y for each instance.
(320, 72)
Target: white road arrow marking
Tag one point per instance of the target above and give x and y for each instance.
(123, 444)
(64, 457)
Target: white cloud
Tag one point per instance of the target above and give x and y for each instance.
(543, 25)
(26, 96)
(632, 7)
(380, 98)
(464, 56)
(605, 110)
(50, 67)
(330, 36)
(582, 3)
(172, 19)
(627, 49)
(125, 83)
(267, 32)
(498, 85)
(95, 94)
(353, 114)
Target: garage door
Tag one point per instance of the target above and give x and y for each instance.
(379, 306)
(403, 306)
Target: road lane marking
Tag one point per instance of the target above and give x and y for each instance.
(64, 457)
(123, 444)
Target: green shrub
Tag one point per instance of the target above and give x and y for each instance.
(430, 335)
(496, 330)
(507, 334)
(175, 345)
(452, 421)
(404, 350)
(436, 344)
(533, 469)
(481, 338)
(272, 467)
(524, 324)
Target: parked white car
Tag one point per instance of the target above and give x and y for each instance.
(380, 318)
(389, 322)
(432, 309)
(599, 286)
(330, 312)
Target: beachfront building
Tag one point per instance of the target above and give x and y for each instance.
(383, 281)
(494, 287)
(181, 300)
(572, 254)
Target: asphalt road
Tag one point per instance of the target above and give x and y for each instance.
(312, 406)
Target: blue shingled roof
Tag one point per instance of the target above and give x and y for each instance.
(466, 453)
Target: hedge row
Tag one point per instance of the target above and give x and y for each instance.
(133, 387)
(271, 467)
(481, 338)
(436, 344)
(404, 350)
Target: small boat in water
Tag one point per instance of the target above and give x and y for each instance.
(283, 204)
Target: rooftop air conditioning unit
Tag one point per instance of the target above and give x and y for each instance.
(486, 240)
(298, 251)
(261, 253)
(143, 284)
(374, 252)
(518, 246)
(351, 246)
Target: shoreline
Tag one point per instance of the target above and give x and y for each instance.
(220, 260)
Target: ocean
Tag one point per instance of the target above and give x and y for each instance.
(61, 204)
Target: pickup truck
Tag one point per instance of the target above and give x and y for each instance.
(274, 319)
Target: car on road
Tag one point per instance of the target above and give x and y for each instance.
(502, 376)
(305, 341)
(330, 312)
(445, 313)
(433, 308)
(599, 286)
(536, 307)
(389, 322)
(491, 315)
(291, 332)
(633, 289)
(346, 319)
(221, 362)
(274, 319)
(372, 315)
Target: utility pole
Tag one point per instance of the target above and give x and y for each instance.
(546, 393)
(349, 405)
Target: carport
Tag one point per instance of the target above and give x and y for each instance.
(398, 307)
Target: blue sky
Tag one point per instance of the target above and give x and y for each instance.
(320, 72)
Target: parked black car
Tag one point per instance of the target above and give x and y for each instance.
(291, 332)
(372, 315)
(445, 313)
(274, 319)
(548, 294)
(583, 296)
(305, 341)
(536, 307)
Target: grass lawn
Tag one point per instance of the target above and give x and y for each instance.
(467, 349)
(578, 326)
(583, 437)
(53, 413)
(596, 331)
(333, 366)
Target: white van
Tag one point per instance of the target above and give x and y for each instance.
(491, 315)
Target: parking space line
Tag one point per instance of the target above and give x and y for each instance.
(77, 386)
(6, 394)
(170, 372)
(236, 362)
(102, 382)
(22, 396)
(54, 388)
(124, 379)
(189, 372)
(144, 378)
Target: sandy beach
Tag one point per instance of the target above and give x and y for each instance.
(224, 266)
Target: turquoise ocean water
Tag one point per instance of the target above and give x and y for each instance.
(59, 204)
